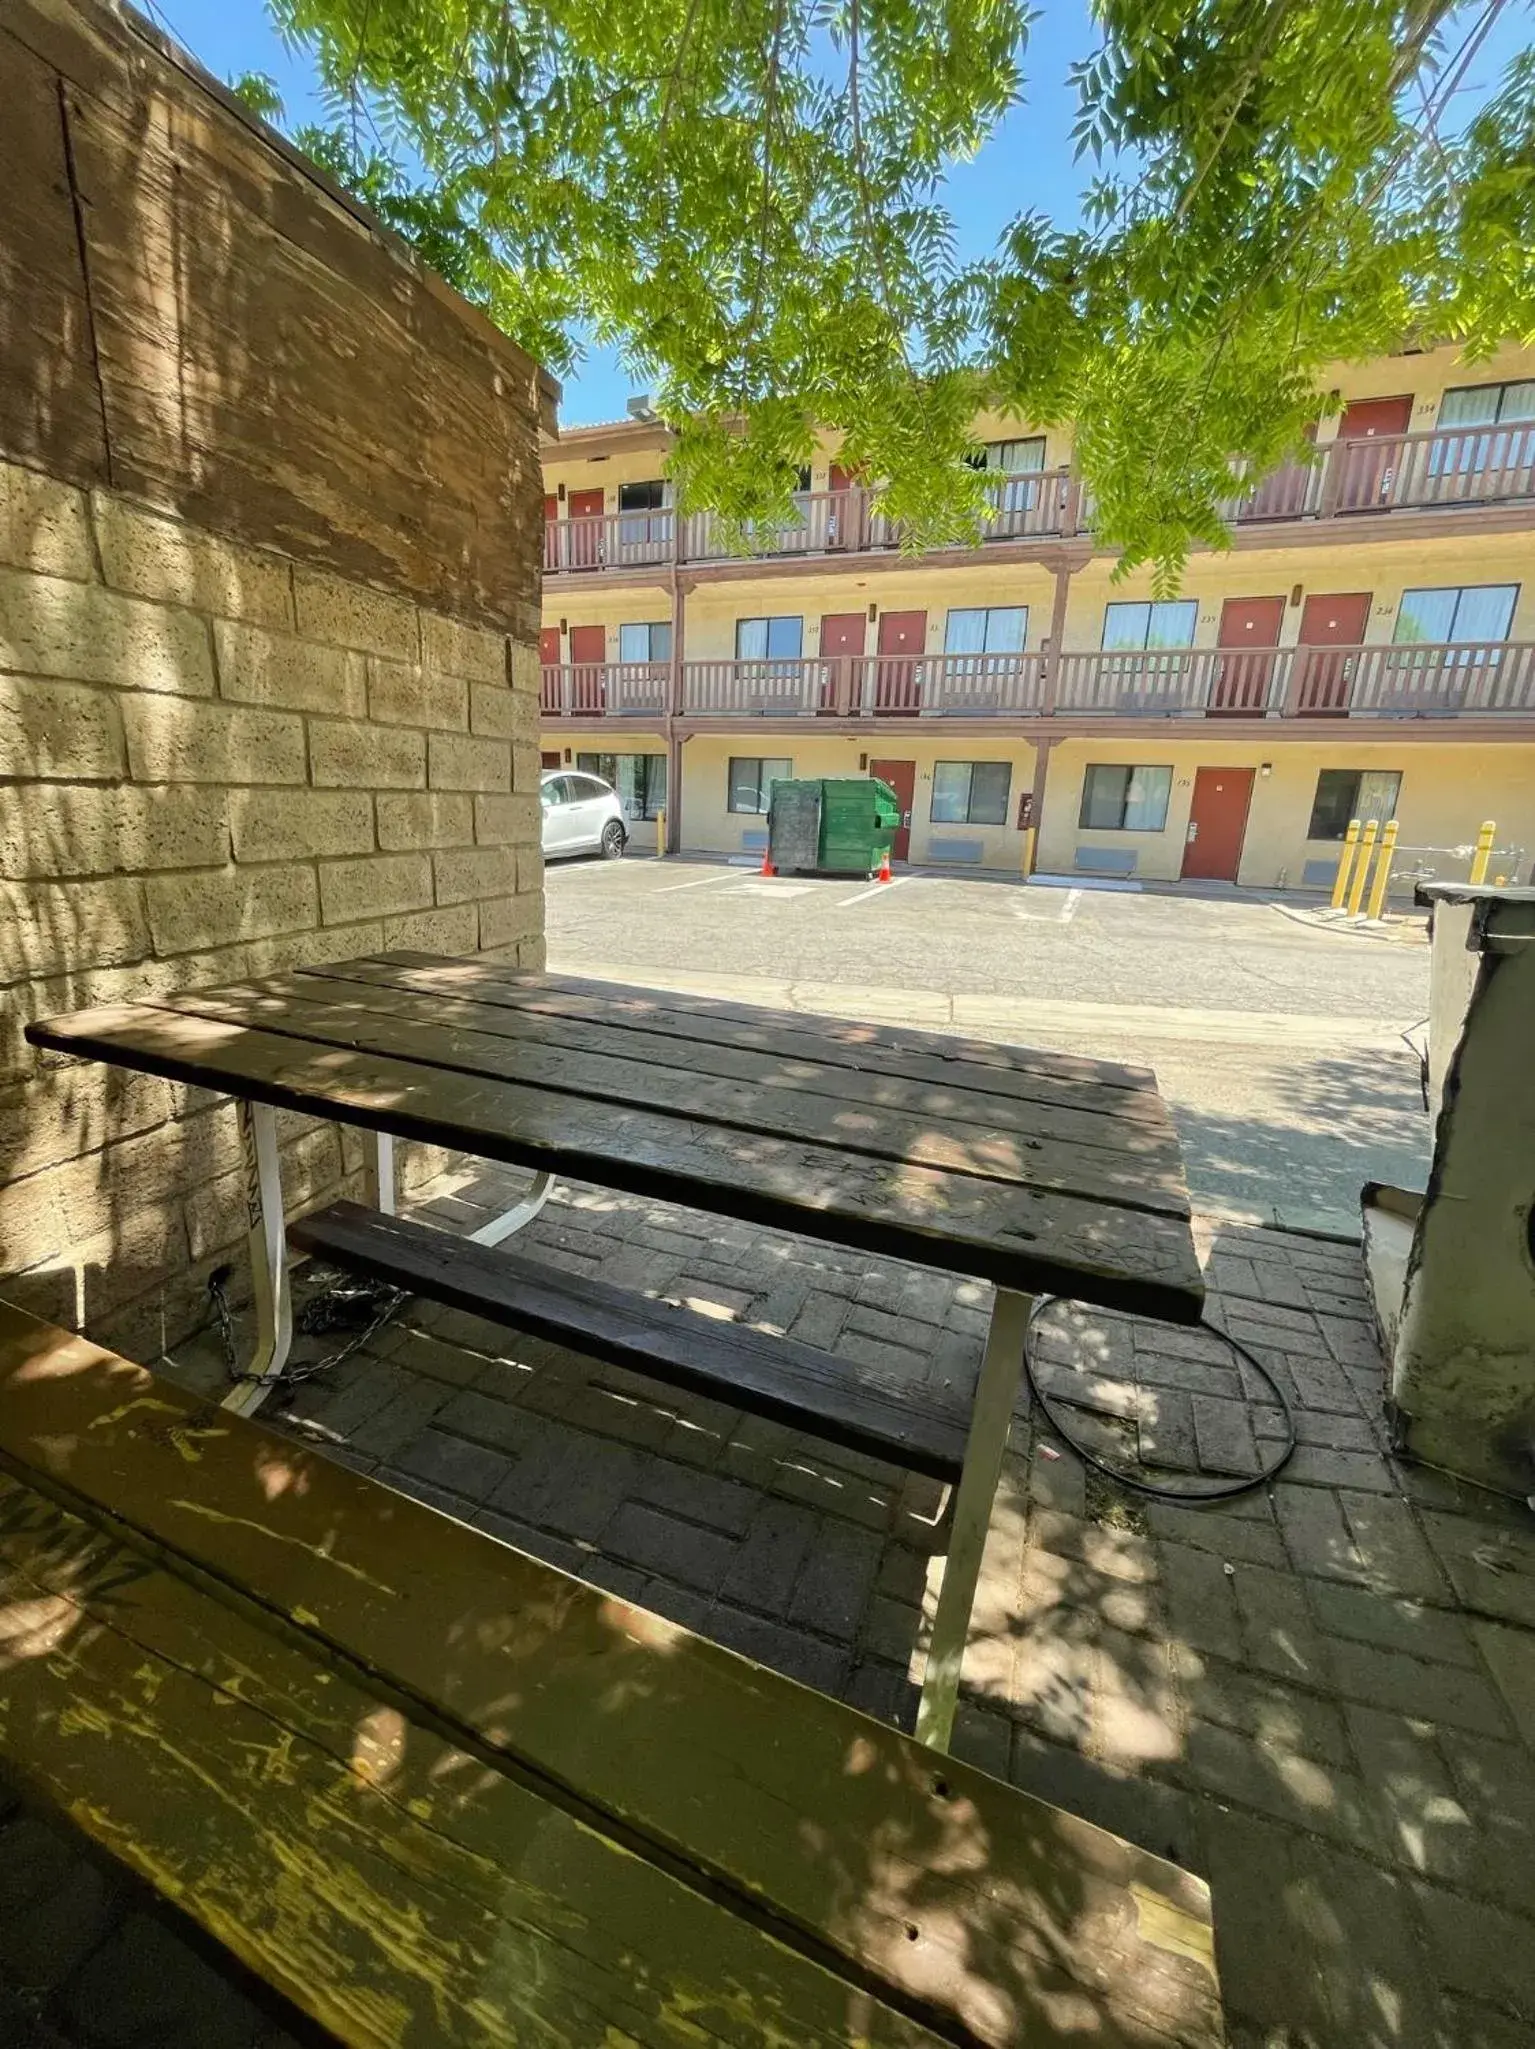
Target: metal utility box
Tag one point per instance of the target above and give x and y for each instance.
(832, 825)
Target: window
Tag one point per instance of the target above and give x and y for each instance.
(970, 792)
(1486, 405)
(647, 497)
(640, 779)
(555, 789)
(1343, 794)
(760, 639)
(1482, 611)
(752, 780)
(1169, 624)
(1012, 458)
(1116, 799)
(645, 523)
(990, 630)
(648, 641)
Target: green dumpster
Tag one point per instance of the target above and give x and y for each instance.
(831, 825)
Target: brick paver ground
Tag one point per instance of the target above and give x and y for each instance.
(1321, 1696)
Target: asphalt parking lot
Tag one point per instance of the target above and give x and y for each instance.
(1279, 1046)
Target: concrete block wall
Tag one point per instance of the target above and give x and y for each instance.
(216, 762)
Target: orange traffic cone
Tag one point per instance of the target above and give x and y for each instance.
(884, 868)
(767, 863)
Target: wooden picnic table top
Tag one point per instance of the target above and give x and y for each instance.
(1038, 1171)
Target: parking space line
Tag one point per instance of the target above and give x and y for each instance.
(698, 882)
(874, 889)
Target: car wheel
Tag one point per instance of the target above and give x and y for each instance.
(612, 842)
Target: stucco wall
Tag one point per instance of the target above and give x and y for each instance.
(1446, 792)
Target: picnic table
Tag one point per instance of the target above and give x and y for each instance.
(1038, 1172)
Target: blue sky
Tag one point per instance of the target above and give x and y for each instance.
(1026, 165)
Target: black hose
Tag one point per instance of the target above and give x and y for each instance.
(1221, 1490)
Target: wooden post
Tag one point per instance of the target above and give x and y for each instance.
(1052, 647)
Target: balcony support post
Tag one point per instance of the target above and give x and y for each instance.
(1036, 822)
(1052, 648)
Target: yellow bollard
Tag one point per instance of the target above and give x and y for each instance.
(1383, 869)
(1028, 852)
(1345, 863)
(1361, 872)
(661, 833)
(1483, 854)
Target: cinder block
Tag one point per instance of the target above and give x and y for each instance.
(530, 867)
(525, 668)
(459, 762)
(452, 930)
(332, 608)
(58, 729)
(437, 819)
(404, 694)
(462, 650)
(171, 741)
(43, 526)
(510, 920)
(48, 928)
(153, 557)
(216, 1214)
(357, 756)
(507, 821)
(291, 825)
(210, 908)
(493, 711)
(73, 1108)
(374, 887)
(486, 871)
(527, 767)
(54, 829)
(51, 627)
(279, 669)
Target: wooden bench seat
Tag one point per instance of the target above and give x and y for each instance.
(437, 1792)
(920, 1428)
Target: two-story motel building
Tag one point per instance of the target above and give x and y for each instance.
(1365, 649)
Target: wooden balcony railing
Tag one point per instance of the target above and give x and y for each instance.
(609, 540)
(595, 690)
(851, 686)
(1477, 679)
(1386, 473)
(776, 687)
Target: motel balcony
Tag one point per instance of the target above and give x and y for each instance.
(1453, 469)
(1461, 679)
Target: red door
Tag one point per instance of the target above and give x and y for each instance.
(842, 530)
(585, 539)
(902, 638)
(902, 778)
(1217, 821)
(588, 652)
(1330, 620)
(1250, 629)
(842, 643)
(1365, 473)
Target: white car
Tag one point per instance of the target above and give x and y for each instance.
(582, 815)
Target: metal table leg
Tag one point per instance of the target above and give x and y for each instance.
(995, 1394)
(515, 1218)
(269, 1260)
(381, 1194)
